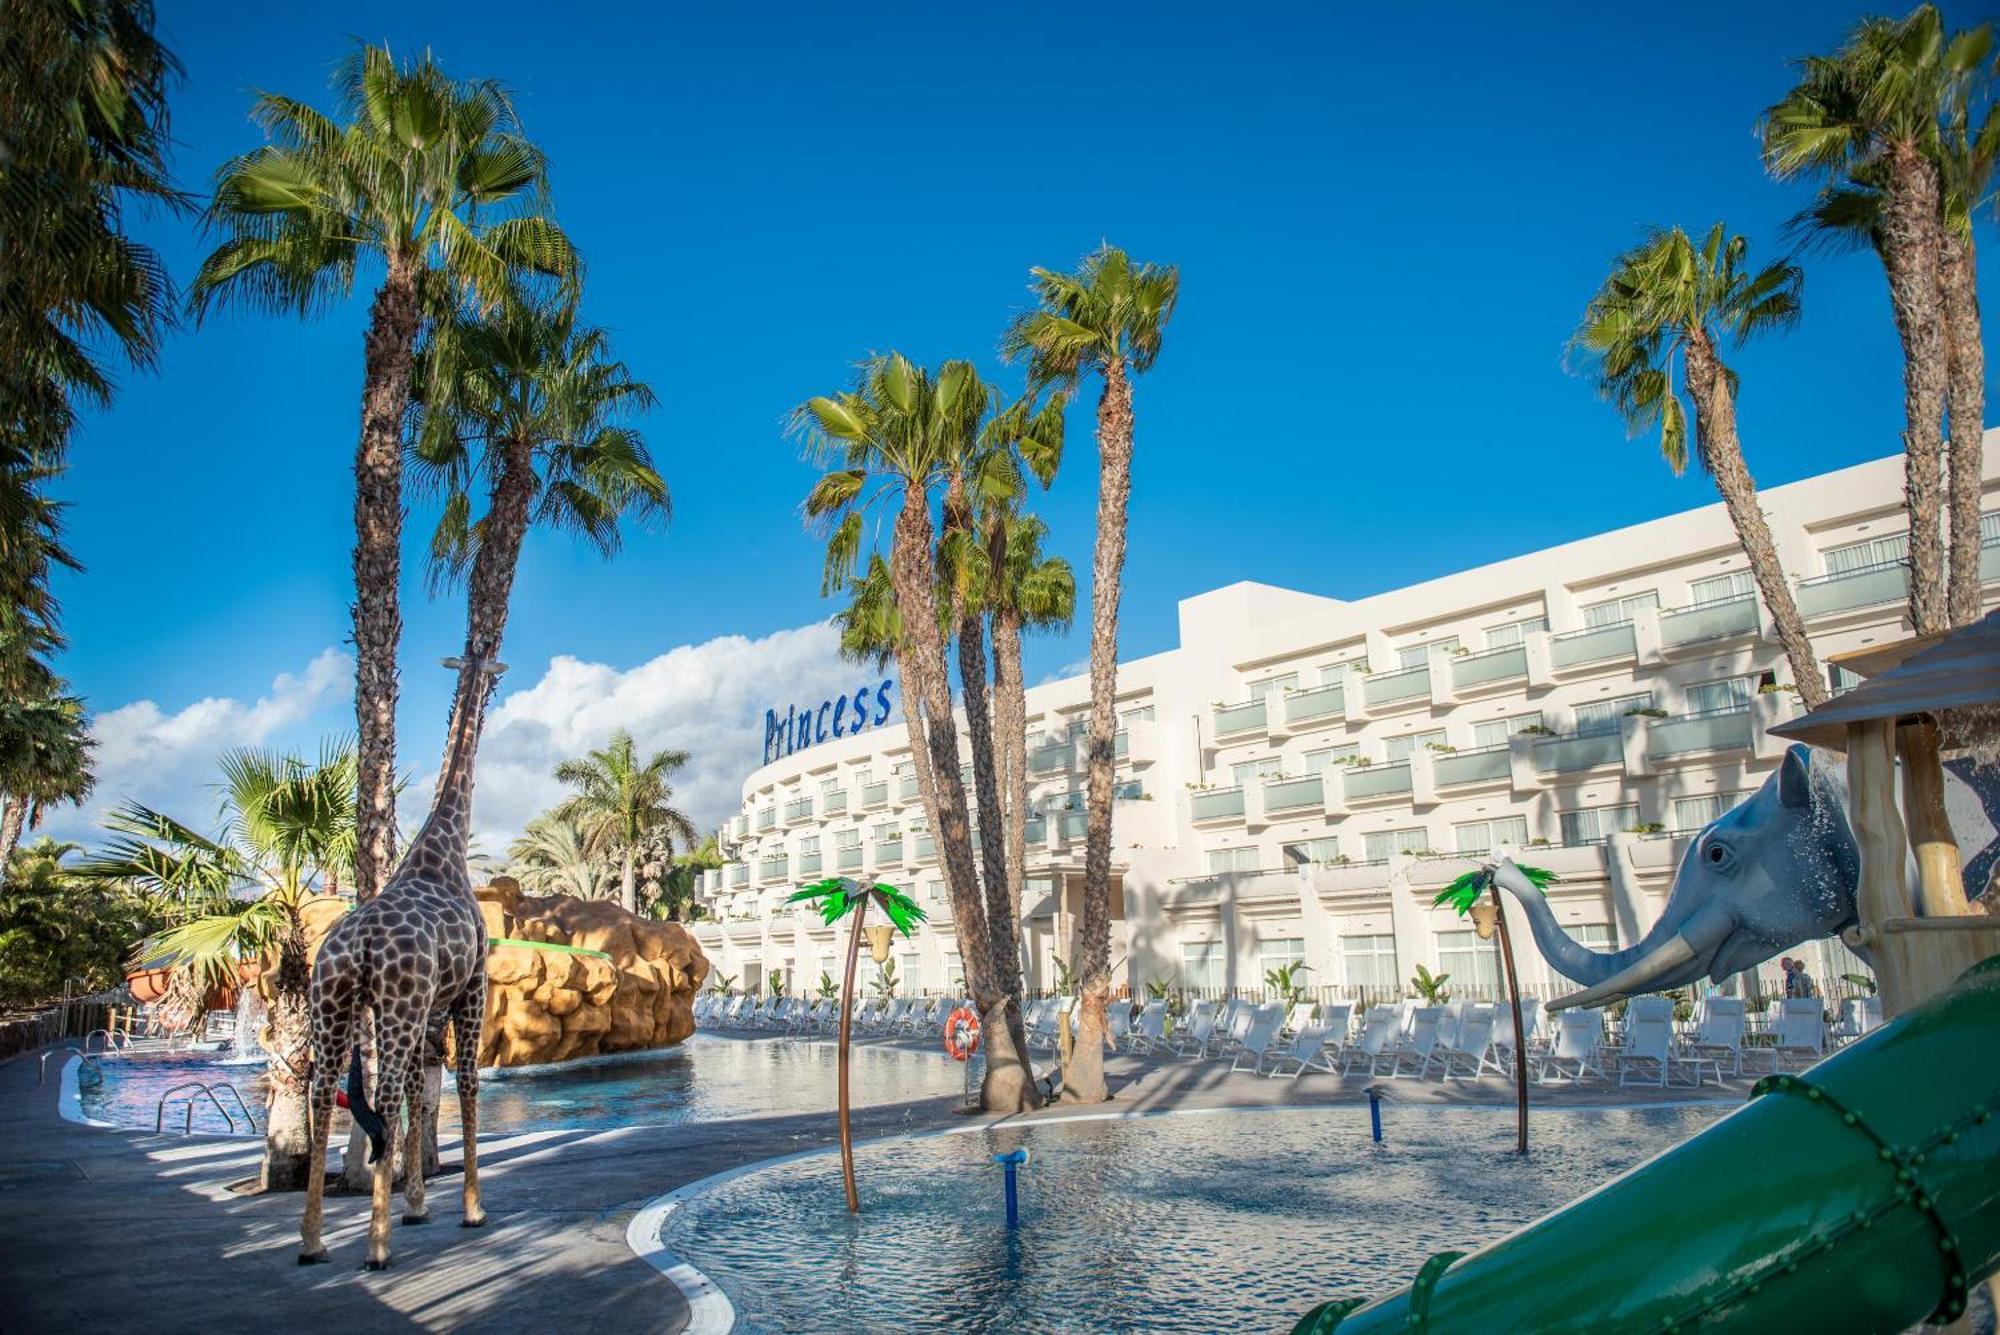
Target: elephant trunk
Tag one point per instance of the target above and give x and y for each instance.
(1664, 958)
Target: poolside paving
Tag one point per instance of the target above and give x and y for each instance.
(103, 1229)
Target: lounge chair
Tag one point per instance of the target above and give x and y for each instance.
(1302, 1016)
(1504, 1024)
(1380, 1029)
(1466, 1055)
(1307, 1049)
(1579, 1043)
(1415, 1048)
(1718, 1034)
(1650, 1056)
(1800, 1034)
(1199, 1031)
(1258, 1039)
(1149, 1032)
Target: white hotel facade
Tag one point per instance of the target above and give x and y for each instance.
(1302, 775)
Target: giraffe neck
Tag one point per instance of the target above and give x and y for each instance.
(446, 830)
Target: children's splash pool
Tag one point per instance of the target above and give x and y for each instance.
(705, 1079)
(1224, 1221)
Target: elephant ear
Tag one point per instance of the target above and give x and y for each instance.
(1795, 785)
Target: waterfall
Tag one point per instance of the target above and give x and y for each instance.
(247, 1049)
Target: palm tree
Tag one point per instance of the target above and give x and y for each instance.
(555, 856)
(1967, 160)
(54, 924)
(1668, 298)
(431, 178)
(1106, 318)
(1871, 115)
(45, 750)
(247, 894)
(619, 802)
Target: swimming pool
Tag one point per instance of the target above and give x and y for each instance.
(1232, 1220)
(705, 1079)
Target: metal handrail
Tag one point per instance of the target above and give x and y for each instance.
(187, 1125)
(241, 1106)
(1871, 568)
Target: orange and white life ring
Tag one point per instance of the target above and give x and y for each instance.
(961, 1034)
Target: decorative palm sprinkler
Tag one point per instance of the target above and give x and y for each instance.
(835, 897)
(1463, 895)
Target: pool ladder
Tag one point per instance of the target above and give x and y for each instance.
(200, 1088)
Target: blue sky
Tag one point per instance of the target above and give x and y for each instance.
(1387, 220)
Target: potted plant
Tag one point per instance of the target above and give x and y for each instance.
(1284, 980)
(1430, 986)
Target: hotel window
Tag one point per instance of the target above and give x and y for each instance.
(1597, 716)
(887, 834)
(1721, 588)
(1201, 965)
(1072, 800)
(1495, 732)
(1479, 836)
(1472, 963)
(1891, 550)
(1249, 771)
(829, 786)
(935, 892)
(1277, 952)
(1319, 759)
(1222, 860)
(1399, 748)
(906, 769)
(1508, 634)
(1369, 960)
(1618, 611)
(1143, 714)
(1277, 685)
(1692, 813)
(1378, 845)
(1592, 824)
(1416, 655)
(954, 971)
(1129, 790)
(809, 845)
(1595, 935)
(1842, 679)
(847, 838)
(1716, 697)
(1989, 527)
(1332, 674)
(1311, 851)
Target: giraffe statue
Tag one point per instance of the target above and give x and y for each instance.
(413, 958)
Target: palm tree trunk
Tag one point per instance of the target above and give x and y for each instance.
(1910, 244)
(12, 822)
(628, 888)
(1010, 722)
(378, 532)
(287, 1135)
(1722, 456)
(1966, 376)
(1083, 1075)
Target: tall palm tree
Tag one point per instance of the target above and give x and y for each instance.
(620, 801)
(431, 179)
(556, 856)
(45, 750)
(1669, 298)
(1967, 159)
(1106, 319)
(1871, 114)
(288, 826)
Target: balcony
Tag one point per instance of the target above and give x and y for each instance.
(739, 875)
(925, 847)
(739, 826)
(1595, 644)
(773, 869)
(1052, 759)
(847, 858)
(1121, 745)
(1387, 689)
(1216, 804)
(1294, 794)
(1071, 825)
(1714, 730)
(1707, 622)
(809, 864)
(1866, 586)
(906, 787)
(833, 802)
(1489, 764)
(888, 852)
(1475, 672)
(1373, 783)
(798, 811)
(1989, 561)
(1234, 720)
(874, 795)
(1579, 751)
(1037, 828)
(767, 819)
(1322, 702)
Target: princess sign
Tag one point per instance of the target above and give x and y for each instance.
(801, 726)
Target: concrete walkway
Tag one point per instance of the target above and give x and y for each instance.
(105, 1230)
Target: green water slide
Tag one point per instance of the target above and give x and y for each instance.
(1861, 1195)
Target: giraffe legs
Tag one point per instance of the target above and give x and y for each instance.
(468, 1015)
(332, 1038)
(396, 1051)
(414, 1209)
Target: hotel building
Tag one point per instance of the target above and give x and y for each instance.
(1301, 775)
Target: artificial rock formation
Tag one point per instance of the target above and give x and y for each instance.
(551, 1006)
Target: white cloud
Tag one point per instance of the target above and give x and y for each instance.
(706, 699)
(1077, 669)
(167, 760)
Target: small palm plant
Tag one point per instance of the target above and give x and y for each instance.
(885, 981)
(722, 984)
(1430, 986)
(836, 897)
(1465, 895)
(1285, 981)
(776, 982)
(828, 989)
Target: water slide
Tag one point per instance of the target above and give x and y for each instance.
(1861, 1195)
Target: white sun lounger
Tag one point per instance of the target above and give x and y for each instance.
(1258, 1039)
(1579, 1044)
(1379, 1031)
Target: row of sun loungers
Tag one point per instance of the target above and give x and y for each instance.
(875, 1018)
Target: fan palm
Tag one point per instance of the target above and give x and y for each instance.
(1107, 319)
(245, 894)
(430, 178)
(620, 801)
(54, 924)
(44, 760)
(555, 856)
(1670, 298)
(1871, 115)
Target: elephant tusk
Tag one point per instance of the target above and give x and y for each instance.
(1634, 977)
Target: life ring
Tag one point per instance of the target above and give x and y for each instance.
(961, 1034)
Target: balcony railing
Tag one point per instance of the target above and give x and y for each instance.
(1712, 730)
(1072, 825)
(888, 852)
(1366, 781)
(875, 794)
(1391, 688)
(1594, 644)
(1864, 586)
(926, 848)
(799, 809)
(767, 819)
(809, 864)
(1709, 621)
(1321, 702)
(739, 875)
(906, 787)
(1503, 664)
(1216, 804)
(1037, 828)
(848, 858)
(1290, 794)
(1052, 759)
(773, 869)
(1249, 716)
(1482, 766)
(833, 801)
(1121, 744)
(1562, 755)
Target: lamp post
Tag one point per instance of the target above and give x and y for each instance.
(1463, 894)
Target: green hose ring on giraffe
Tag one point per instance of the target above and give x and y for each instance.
(492, 941)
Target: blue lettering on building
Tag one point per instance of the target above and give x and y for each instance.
(806, 725)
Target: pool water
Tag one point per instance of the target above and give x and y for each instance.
(1196, 1223)
(705, 1079)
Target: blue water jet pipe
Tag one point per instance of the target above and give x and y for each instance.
(1010, 1164)
(1375, 1113)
